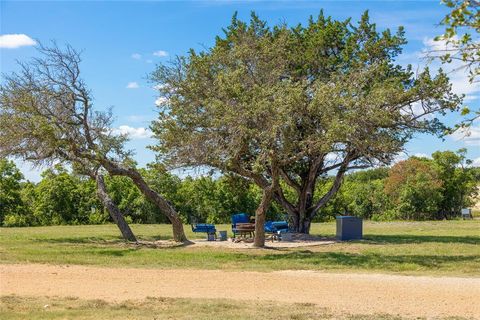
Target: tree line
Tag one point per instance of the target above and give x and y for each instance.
(413, 189)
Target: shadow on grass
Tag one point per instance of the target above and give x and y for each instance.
(111, 252)
(405, 239)
(279, 259)
(82, 240)
(98, 240)
(115, 246)
(149, 241)
(368, 260)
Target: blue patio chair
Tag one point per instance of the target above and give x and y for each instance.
(280, 225)
(239, 218)
(207, 228)
(275, 226)
(269, 228)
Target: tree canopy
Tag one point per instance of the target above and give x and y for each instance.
(295, 104)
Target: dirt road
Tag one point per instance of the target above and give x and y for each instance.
(341, 292)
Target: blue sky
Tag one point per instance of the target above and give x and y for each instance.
(122, 42)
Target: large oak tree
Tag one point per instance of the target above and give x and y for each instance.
(284, 106)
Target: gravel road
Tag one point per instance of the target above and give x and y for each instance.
(352, 293)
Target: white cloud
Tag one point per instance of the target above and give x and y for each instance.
(158, 86)
(161, 101)
(333, 157)
(476, 162)
(416, 109)
(136, 56)
(401, 156)
(421, 155)
(139, 118)
(30, 172)
(461, 85)
(470, 136)
(164, 88)
(470, 98)
(148, 61)
(133, 133)
(160, 53)
(404, 155)
(438, 46)
(132, 85)
(458, 74)
(13, 41)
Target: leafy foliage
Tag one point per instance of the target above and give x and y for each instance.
(10, 193)
(63, 198)
(414, 189)
(459, 180)
(460, 43)
(462, 26)
(296, 103)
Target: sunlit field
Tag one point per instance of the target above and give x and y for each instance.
(433, 248)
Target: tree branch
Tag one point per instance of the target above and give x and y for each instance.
(292, 183)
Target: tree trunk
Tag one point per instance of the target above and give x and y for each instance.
(305, 225)
(301, 222)
(260, 214)
(304, 212)
(113, 210)
(164, 206)
(294, 221)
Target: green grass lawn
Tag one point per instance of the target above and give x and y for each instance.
(433, 248)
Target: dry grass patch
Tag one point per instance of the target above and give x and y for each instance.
(15, 307)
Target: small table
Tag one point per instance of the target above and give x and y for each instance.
(243, 228)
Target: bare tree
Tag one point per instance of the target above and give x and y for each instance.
(46, 115)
